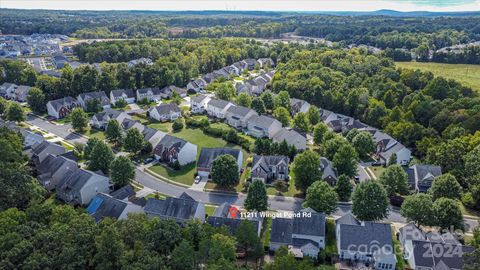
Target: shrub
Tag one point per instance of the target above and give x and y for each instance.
(177, 125)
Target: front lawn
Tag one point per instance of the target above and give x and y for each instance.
(210, 209)
(377, 170)
(292, 191)
(184, 176)
(95, 133)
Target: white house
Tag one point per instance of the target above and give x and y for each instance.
(198, 104)
(80, 186)
(7, 90)
(197, 85)
(101, 119)
(84, 98)
(237, 116)
(208, 155)
(122, 94)
(386, 146)
(218, 108)
(263, 126)
(171, 149)
(165, 112)
(59, 108)
(299, 105)
(150, 94)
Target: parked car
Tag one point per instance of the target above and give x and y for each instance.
(357, 179)
(377, 163)
(198, 179)
(148, 160)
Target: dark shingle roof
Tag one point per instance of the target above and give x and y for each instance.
(208, 155)
(103, 206)
(172, 207)
(348, 219)
(281, 230)
(100, 95)
(66, 101)
(239, 110)
(167, 108)
(123, 193)
(374, 235)
(219, 103)
(128, 92)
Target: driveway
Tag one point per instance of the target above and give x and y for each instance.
(61, 130)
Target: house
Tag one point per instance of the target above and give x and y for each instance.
(39, 152)
(432, 250)
(208, 155)
(197, 85)
(101, 119)
(250, 63)
(263, 126)
(59, 60)
(221, 217)
(150, 94)
(237, 116)
(107, 206)
(129, 123)
(165, 112)
(182, 92)
(178, 209)
(303, 235)
(269, 168)
(386, 147)
(211, 77)
(53, 169)
(367, 241)
(6, 89)
(218, 108)
(198, 103)
(122, 94)
(140, 61)
(21, 93)
(239, 67)
(152, 135)
(292, 137)
(299, 105)
(421, 176)
(171, 149)
(31, 138)
(59, 108)
(266, 62)
(329, 173)
(85, 98)
(79, 187)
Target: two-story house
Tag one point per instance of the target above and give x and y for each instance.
(79, 187)
(165, 112)
(100, 96)
(171, 149)
(269, 168)
(198, 103)
(59, 108)
(122, 94)
(218, 108)
(263, 126)
(208, 155)
(179, 209)
(238, 116)
(101, 119)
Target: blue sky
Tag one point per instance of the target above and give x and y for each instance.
(271, 5)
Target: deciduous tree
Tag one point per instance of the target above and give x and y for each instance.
(225, 170)
(257, 198)
(305, 169)
(321, 197)
(370, 201)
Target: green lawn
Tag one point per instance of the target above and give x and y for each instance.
(210, 209)
(184, 176)
(94, 133)
(291, 192)
(401, 264)
(331, 245)
(468, 75)
(377, 170)
(156, 195)
(267, 223)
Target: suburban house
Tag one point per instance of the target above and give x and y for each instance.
(101, 119)
(218, 108)
(303, 235)
(368, 242)
(31, 138)
(129, 123)
(79, 187)
(386, 146)
(266, 62)
(171, 149)
(299, 105)
(84, 98)
(178, 209)
(152, 135)
(292, 137)
(122, 94)
(165, 112)
(421, 176)
(198, 104)
(432, 250)
(238, 116)
(197, 85)
(6, 89)
(250, 63)
(221, 217)
(59, 108)
(263, 126)
(327, 116)
(20, 93)
(269, 168)
(239, 67)
(108, 206)
(53, 169)
(169, 90)
(140, 61)
(150, 94)
(38, 152)
(329, 173)
(208, 155)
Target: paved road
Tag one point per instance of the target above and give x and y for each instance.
(275, 202)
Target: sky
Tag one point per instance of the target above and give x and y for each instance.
(264, 5)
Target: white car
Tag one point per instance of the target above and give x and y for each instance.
(198, 179)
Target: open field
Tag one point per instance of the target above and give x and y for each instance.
(468, 75)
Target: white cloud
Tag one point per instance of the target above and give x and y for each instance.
(265, 5)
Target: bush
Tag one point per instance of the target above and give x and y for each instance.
(175, 165)
(121, 103)
(468, 200)
(177, 125)
(197, 123)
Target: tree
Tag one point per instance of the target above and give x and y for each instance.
(418, 208)
(182, 256)
(109, 249)
(282, 115)
(392, 160)
(268, 100)
(344, 188)
(100, 158)
(313, 114)
(177, 125)
(121, 103)
(91, 143)
(346, 160)
(283, 100)
(321, 197)
(247, 237)
(224, 91)
(332, 145)
(122, 171)
(448, 214)
(257, 198)
(351, 134)
(300, 121)
(395, 180)
(14, 112)
(363, 143)
(79, 119)
(305, 169)
(3, 105)
(263, 146)
(134, 141)
(93, 105)
(370, 201)
(445, 186)
(114, 132)
(258, 106)
(36, 100)
(472, 162)
(245, 100)
(221, 247)
(225, 170)
(318, 133)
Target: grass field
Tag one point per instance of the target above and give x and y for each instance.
(183, 176)
(468, 75)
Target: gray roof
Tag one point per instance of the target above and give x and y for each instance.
(291, 136)
(52, 163)
(148, 133)
(427, 254)
(239, 111)
(208, 155)
(222, 210)
(198, 98)
(177, 208)
(63, 102)
(118, 93)
(129, 123)
(264, 162)
(110, 113)
(123, 193)
(263, 121)
(283, 228)
(327, 168)
(348, 219)
(219, 103)
(109, 207)
(45, 145)
(373, 235)
(169, 142)
(167, 108)
(100, 95)
(75, 180)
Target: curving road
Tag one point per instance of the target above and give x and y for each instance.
(275, 202)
